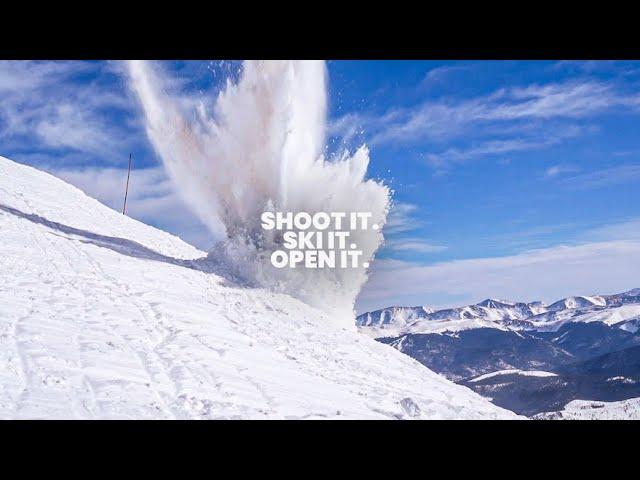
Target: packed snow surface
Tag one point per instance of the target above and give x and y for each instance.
(102, 316)
(526, 373)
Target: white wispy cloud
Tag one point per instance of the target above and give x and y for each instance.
(412, 245)
(22, 77)
(46, 105)
(572, 99)
(401, 218)
(625, 230)
(492, 147)
(556, 170)
(507, 120)
(604, 177)
(535, 139)
(438, 75)
(449, 118)
(546, 274)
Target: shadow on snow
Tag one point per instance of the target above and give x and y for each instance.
(129, 248)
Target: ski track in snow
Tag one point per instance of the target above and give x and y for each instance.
(102, 316)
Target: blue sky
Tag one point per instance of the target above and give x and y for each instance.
(511, 179)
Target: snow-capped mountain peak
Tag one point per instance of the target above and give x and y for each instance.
(577, 302)
(620, 309)
(393, 319)
(494, 303)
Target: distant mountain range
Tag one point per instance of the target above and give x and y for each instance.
(611, 309)
(527, 357)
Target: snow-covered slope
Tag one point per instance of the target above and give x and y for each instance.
(526, 373)
(104, 317)
(594, 410)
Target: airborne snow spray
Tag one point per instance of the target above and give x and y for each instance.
(261, 149)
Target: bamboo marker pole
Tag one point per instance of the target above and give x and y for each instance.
(126, 192)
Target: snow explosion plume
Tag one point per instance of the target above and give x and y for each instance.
(262, 148)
